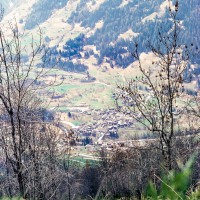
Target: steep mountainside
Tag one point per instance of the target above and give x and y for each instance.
(108, 27)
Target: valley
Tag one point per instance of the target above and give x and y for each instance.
(90, 45)
(99, 99)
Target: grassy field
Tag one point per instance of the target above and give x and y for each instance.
(95, 95)
(82, 161)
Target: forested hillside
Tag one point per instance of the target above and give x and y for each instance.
(109, 26)
(124, 22)
(142, 17)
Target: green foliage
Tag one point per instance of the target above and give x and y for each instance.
(174, 186)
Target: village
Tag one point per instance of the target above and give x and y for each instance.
(105, 127)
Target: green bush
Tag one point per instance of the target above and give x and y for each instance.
(174, 186)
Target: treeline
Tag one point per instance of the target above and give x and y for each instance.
(73, 47)
(63, 58)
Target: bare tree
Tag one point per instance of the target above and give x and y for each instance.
(28, 138)
(193, 110)
(159, 107)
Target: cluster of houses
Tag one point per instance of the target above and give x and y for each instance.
(105, 125)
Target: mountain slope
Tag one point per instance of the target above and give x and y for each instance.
(95, 38)
(109, 26)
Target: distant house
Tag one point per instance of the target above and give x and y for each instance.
(57, 96)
